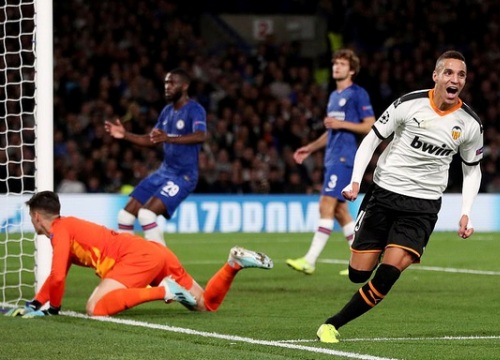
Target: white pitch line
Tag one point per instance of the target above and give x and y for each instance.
(226, 337)
(427, 268)
(443, 338)
(345, 262)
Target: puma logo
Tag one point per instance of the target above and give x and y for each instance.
(418, 122)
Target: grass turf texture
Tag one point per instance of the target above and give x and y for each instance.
(444, 308)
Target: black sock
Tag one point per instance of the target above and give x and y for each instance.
(354, 308)
(367, 297)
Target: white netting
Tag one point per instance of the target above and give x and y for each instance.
(17, 148)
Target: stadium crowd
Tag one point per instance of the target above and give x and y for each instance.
(111, 57)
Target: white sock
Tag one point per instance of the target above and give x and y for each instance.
(325, 227)
(125, 222)
(348, 230)
(152, 231)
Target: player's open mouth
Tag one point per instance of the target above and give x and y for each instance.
(451, 90)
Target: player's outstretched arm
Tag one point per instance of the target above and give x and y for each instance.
(158, 136)
(470, 188)
(361, 128)
(363, 156)
(117, 130)
(302, 153)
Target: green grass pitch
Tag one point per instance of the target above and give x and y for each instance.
(444, 308)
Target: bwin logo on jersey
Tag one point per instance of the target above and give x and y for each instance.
(429, 148)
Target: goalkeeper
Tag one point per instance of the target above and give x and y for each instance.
(126, 264)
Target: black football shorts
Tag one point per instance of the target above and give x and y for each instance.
(387, 219)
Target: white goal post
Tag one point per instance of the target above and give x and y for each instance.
(26, 108)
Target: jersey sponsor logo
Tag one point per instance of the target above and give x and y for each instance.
(456, 132)
(180, 124)
(429, 148)
(339, 115)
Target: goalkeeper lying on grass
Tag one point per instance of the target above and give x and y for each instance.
(126, 264)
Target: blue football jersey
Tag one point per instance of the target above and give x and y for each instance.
(351, 104)
(181, 160)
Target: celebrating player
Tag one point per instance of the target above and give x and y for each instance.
(126, 264)
(399, 213)
(349, 115)
(181, 128)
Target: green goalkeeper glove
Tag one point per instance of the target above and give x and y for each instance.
(18, 311)
(24, 310)
(38, 313)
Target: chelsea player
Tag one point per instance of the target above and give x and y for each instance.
(349, 116)
(181, 129)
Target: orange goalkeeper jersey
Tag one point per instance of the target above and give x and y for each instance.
(80, 242)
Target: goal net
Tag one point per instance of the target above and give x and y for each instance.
(22, 136)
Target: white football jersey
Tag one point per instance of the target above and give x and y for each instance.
(417, 160)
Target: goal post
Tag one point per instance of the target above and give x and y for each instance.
(26, 142)
(44, 119)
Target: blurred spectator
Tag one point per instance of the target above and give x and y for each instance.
(70, 183)
(104, 70)
(294, 183)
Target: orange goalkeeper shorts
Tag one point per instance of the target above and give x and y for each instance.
(147, 263)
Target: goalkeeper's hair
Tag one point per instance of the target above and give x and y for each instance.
(46, 201)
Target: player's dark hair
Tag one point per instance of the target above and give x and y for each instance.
(350, 56)
(450, 54)
(46, 201)
(183, 74)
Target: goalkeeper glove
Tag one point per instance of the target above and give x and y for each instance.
(37, 313)
(17, 311)
(24, 310)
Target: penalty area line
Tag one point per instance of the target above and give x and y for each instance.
(180, 330)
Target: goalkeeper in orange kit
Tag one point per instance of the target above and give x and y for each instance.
(126, 264)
